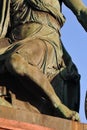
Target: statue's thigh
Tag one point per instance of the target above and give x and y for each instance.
(33, 51)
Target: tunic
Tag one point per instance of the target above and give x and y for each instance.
(36, 24)
(41, 20)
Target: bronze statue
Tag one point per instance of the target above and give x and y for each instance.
(36, 52)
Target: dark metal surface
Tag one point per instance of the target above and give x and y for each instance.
(86, 105)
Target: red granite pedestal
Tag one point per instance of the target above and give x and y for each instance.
(14, 119)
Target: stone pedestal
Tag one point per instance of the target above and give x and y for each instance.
(14, 119)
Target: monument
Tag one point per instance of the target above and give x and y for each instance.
(36, 72)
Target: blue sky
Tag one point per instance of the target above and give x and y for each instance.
(74, 39)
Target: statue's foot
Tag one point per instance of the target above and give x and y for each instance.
(75, 116)
(66, 113)
(72, 115)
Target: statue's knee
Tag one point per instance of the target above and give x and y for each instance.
(13, 63)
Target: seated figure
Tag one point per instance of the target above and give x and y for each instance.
(36, 57)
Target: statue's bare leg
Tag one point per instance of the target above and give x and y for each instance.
(17, 65)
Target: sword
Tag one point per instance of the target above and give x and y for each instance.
(86, 105)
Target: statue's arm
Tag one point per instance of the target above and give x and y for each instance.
(79, 9)
(4, 17)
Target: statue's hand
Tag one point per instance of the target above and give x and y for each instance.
(82, 18)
